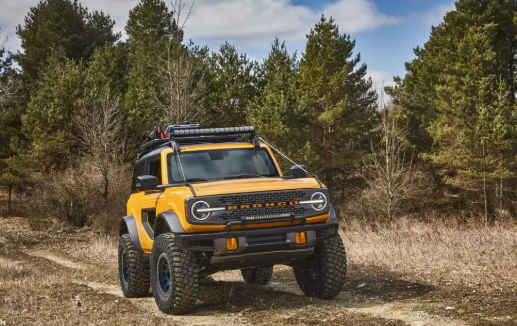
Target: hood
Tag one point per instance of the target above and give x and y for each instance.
(253, 185)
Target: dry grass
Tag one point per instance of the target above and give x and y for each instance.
(97, 249)
(12, 271)
(103, 249)
(437, 253)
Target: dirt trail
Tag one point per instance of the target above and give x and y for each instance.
(53, 258)
(402, 311)
(149, 306)
(146, 305)
(405, 312)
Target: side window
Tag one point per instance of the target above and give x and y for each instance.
(263, 164)
(260, 165)
(138, 171)
(155, 169)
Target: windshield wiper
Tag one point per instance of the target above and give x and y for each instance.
(245, 175)
(196, 179)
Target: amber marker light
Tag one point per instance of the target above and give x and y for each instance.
(301, 238)
(232, 244)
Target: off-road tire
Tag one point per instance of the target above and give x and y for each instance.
(134, 278)
(323, 274)
(181, 294)
(257, 275)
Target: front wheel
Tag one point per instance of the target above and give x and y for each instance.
(257, 275)
(323, 274)
(174, 276)
(133, 269)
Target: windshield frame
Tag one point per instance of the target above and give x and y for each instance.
(169, 158)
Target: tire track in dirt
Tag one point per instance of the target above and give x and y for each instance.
(53, 258)
(398, 310)
(402, 311)
(9, 262)
(146, 305)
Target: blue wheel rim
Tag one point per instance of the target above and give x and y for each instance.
(164, 274)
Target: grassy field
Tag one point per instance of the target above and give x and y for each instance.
(410, 273)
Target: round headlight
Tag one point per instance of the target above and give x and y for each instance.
(200, 215)
(319, 201)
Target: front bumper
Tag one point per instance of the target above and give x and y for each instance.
(258, 246)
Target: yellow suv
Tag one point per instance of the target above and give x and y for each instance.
(206, 200)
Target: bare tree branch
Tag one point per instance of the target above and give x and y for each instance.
(7, 89)
(185, 87)
(8, 86)
(177, 8)
(391, 178)
(101, 134)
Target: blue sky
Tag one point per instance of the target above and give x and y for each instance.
(385, 31)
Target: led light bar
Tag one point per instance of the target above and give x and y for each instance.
(315, 201)
(208, 210)
(211, 131)
(266, 217)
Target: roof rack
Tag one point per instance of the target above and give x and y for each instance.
(189, 133)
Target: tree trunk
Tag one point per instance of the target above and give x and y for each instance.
(106, 194)
(501, 181)
(484, 186)
(9, 197)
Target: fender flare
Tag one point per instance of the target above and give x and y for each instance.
(333, 215)
(167, 222)
(128, 225)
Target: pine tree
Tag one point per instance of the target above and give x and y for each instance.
(10, 120)
(458, 96)
(61, 23)
(151, 22)
(151, 29)
(275, 111)
(52, 114)
(339, 101)
(108, 67)
(233, 80)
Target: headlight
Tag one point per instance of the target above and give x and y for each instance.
(319, 201)
(199, 212)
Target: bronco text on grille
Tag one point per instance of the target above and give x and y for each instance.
(267, 205)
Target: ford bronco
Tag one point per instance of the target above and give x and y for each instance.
(209, 200)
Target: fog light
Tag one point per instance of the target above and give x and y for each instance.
(232, 243)
(301, 238)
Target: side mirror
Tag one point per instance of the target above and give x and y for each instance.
(146, 182)
(297, 171)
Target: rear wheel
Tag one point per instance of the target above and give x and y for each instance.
(257, 275)
(323, 274)
(174, 276)
(133, 269)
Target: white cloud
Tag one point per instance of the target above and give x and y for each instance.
(247, 23)
(12, 14)
(255, 23)
(380, 78)
(434, 16)
(355, 16)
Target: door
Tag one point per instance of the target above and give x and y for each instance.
(149, 199)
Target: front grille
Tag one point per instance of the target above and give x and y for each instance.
(257, 206)
(263, 197)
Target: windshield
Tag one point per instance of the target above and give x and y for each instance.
(221, 164)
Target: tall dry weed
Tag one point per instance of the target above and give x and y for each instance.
(438, 252)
